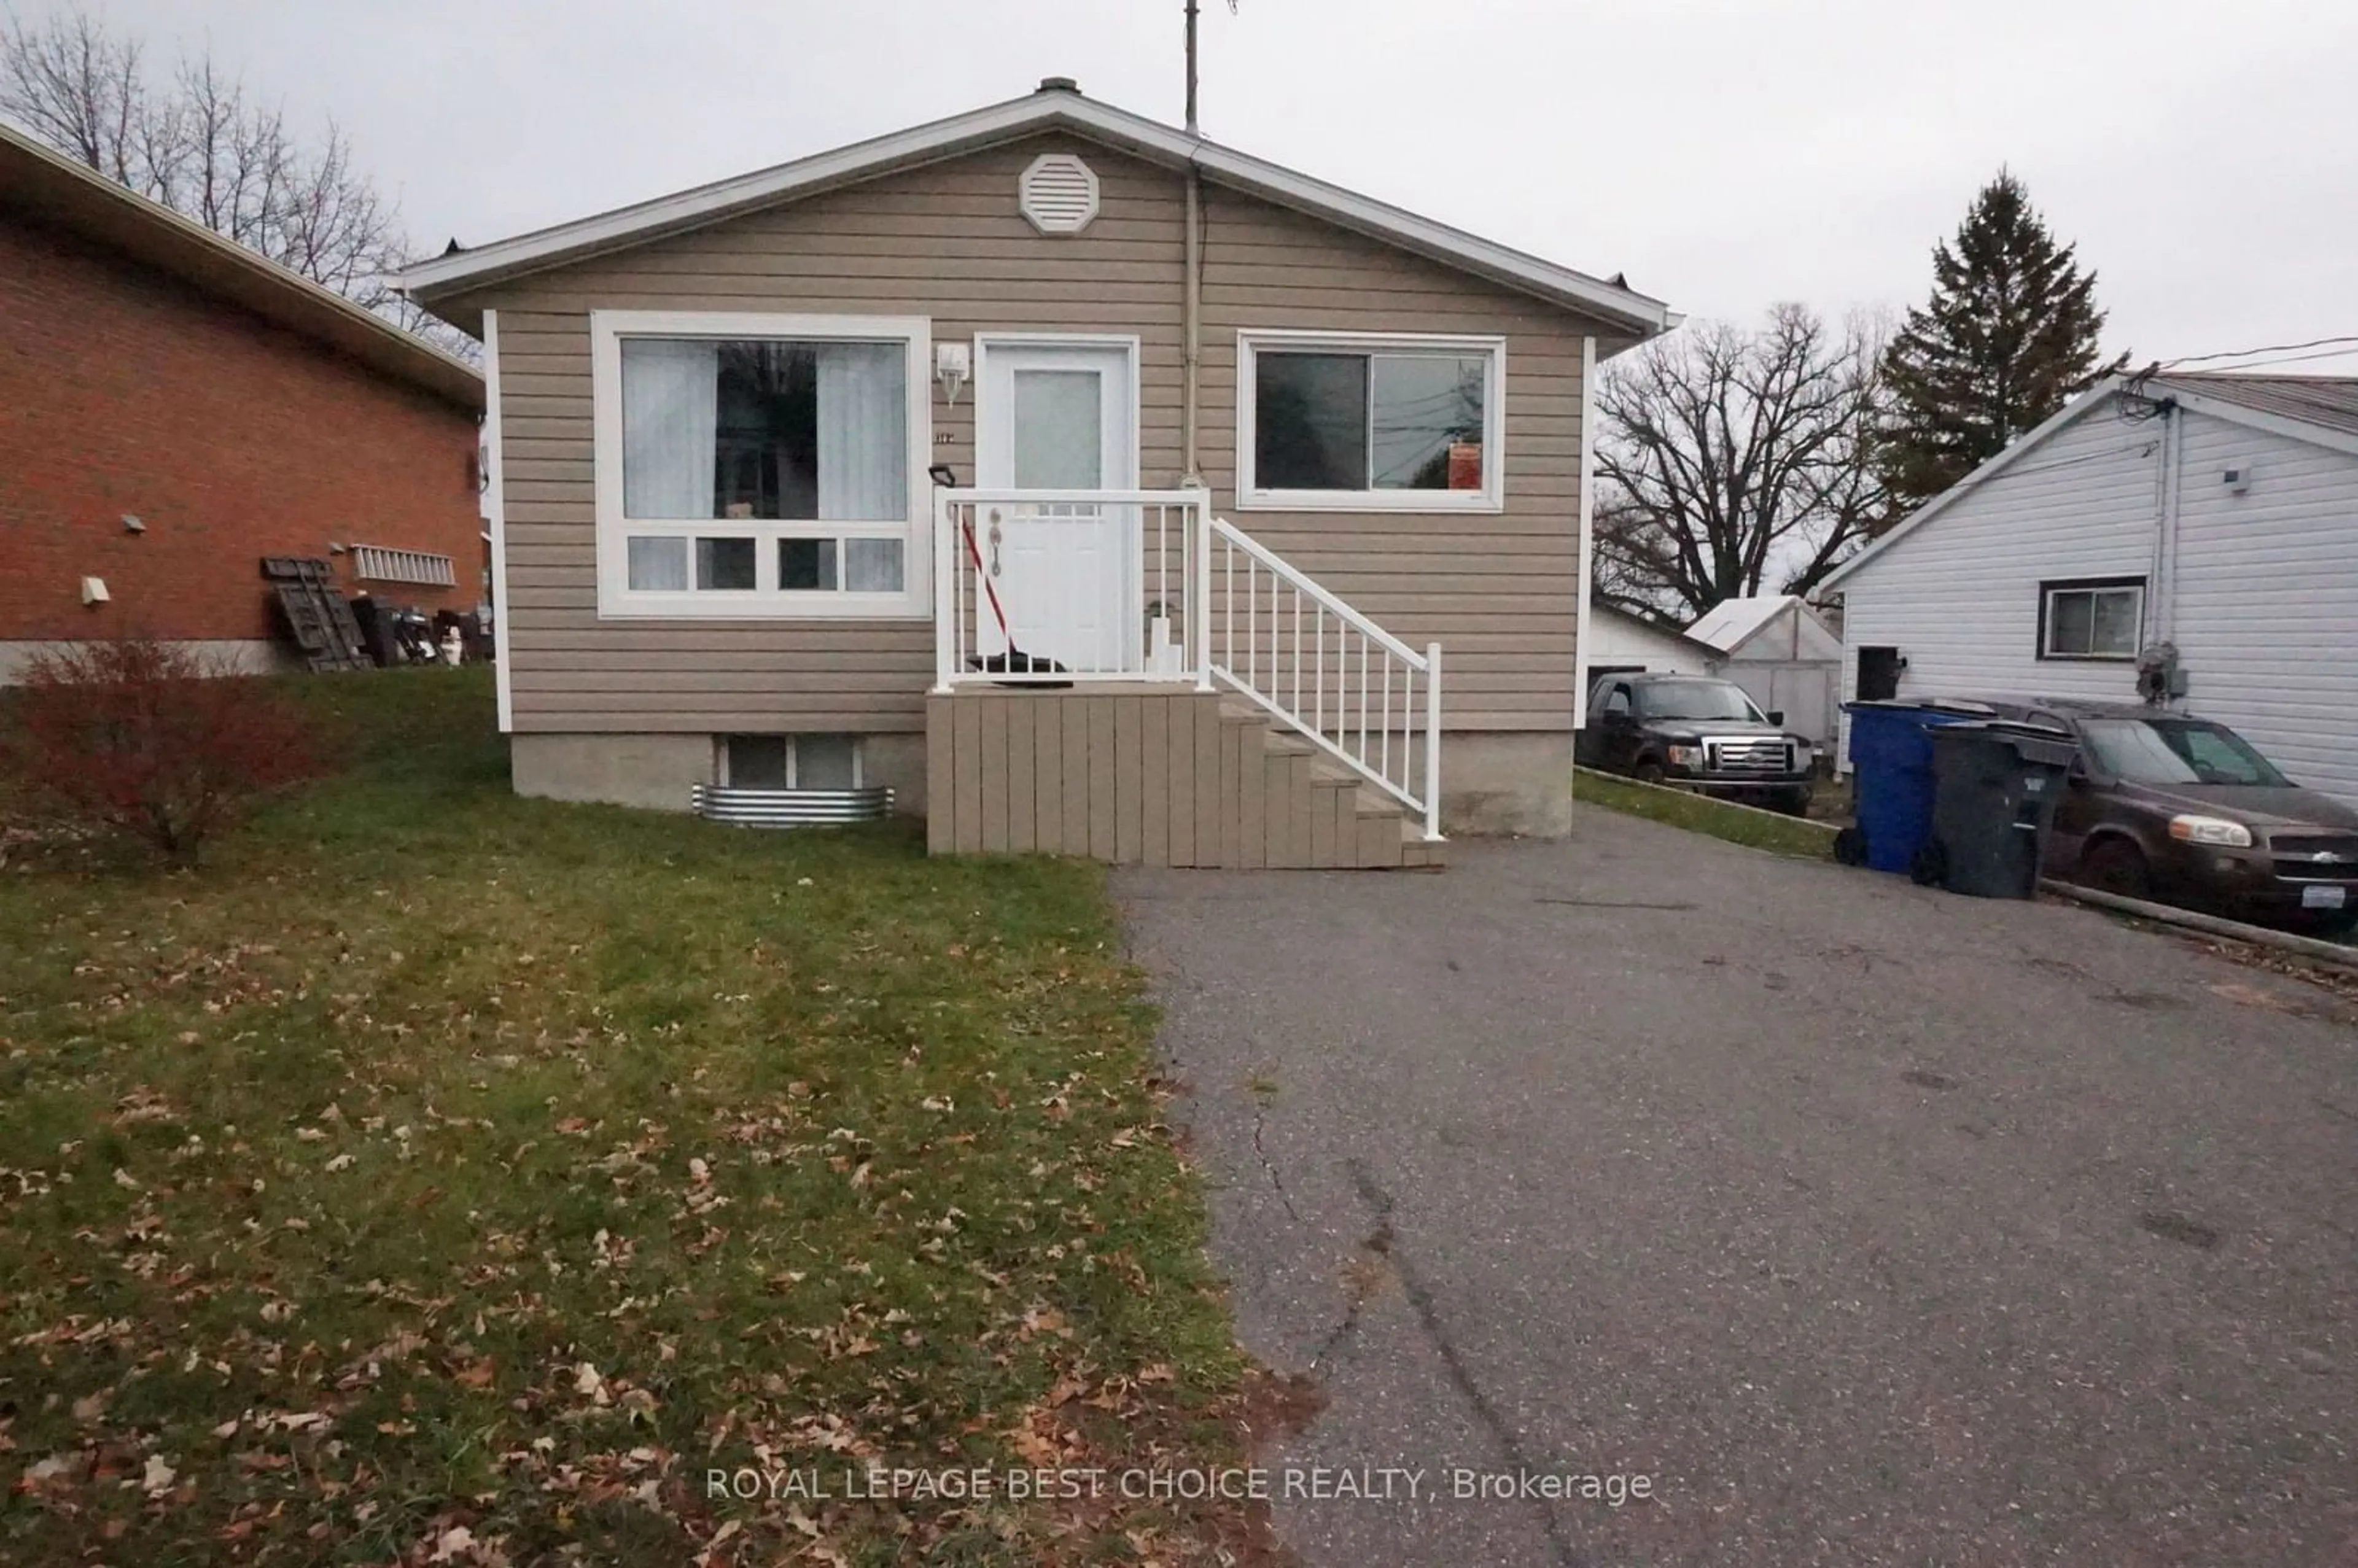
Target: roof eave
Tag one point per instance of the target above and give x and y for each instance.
(466, 271)
(54, 190)
(1971, 481)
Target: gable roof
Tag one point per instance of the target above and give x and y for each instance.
(2321, 410)
(1728, 624)
(48, 187)
(1598, 607)
(2329, 402)
(1056, 106)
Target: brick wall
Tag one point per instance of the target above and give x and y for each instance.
(123, 391)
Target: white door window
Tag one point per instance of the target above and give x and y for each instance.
(1059, 417)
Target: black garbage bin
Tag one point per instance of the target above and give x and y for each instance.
(1995, 789)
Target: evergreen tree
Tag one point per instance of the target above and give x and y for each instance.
(2009, 336)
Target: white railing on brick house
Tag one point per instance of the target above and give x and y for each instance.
(1048, 588)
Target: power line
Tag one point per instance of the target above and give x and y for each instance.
(2245, 353)
(2286, 360)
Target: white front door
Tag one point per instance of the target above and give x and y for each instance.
(1052, 416)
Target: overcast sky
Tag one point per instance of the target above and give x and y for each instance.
(1725, 154)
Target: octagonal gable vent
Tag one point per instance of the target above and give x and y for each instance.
(1058, 193)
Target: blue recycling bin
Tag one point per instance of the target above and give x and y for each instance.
(1891, 756)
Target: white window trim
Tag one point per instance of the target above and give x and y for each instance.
(2048, 652)
(1490, 498)
(617, 601)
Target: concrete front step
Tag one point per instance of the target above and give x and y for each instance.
(1157, 777)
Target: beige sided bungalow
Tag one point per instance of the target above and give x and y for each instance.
(1097, 488)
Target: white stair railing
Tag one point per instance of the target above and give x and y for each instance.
(1322, 668)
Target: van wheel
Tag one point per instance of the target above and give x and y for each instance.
(1647, 771)
(2117, 867)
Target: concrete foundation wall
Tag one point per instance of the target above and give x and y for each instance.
(1493, 782)
(653, 770)
(237, 656)
(656, 770)
(1512, 782)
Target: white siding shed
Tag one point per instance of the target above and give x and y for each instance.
(1613, 639)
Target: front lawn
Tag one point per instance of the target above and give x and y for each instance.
(435, 1174)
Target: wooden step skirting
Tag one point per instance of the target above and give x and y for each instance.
(1159, 777)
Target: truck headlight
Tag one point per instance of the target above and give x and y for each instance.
(2195, 829)
(1686, 757)
(1803, 758)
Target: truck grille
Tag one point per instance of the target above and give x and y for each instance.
(2296, 856)
(1763, 757)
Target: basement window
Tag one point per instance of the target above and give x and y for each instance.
(1360, 422)
(791, 761)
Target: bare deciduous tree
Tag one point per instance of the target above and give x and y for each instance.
(199, 143)
(1731, 460)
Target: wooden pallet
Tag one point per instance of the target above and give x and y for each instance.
(312, 612)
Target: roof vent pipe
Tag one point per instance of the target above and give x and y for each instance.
(1059, 84)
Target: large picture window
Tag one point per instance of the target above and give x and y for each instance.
(759, 465)
(1354, 422)
(2098, 618)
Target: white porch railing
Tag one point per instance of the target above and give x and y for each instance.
(1046, 587)
(1372, 701)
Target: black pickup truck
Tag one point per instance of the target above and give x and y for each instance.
(1698, 733)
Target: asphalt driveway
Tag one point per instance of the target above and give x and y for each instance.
(1864, 1224)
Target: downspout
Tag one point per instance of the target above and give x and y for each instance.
(1191, 304)
(2173, 453)
(1191, 314)
(1587, 530)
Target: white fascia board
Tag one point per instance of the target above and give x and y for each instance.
(2092, 398)
(2257, 420)
(723, 199)
(1437, 241)
(1039, 111)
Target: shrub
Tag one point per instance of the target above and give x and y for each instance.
(153, 741)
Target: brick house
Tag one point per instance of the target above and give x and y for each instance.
(173, 408)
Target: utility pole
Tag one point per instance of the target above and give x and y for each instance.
(1194, 127)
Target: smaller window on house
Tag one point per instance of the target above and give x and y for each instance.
(756, 761)
(792, 762)
(725, 565)
(2092, 619)
(1359, 422)
(826, 762)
